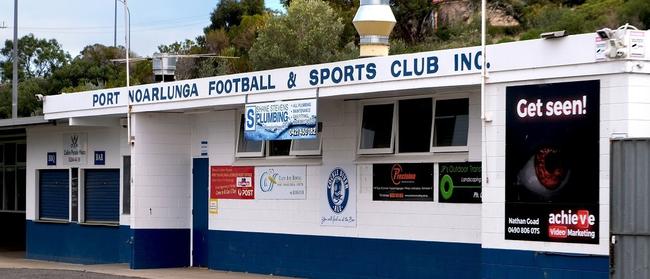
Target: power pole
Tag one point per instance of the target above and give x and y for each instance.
(115, 27)
(14, 87)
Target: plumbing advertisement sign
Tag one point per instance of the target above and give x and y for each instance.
(459, 182)
(285, 120)
(552, 162)
(75, 148)
(338, 196)
(232, 182)
(402, 182)
(280, 183)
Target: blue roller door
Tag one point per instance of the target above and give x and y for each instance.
(54, 194)
(102, 195)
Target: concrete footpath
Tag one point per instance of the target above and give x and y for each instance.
(16, 260)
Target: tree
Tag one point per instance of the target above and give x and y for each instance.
(309, 33)
(413, 20)
(229, 13)
(38, 57)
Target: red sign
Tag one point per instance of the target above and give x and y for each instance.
(229, 182)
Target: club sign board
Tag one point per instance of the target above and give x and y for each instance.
(552, 162)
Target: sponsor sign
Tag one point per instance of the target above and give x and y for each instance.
(281, 120)
(552, 162)
(339, 198)
(402, 182)
(213, 206)
(232, 182)
(75, 149)
(100, 158)
(280, 183)
(203, 148)
(459, 182)
(51, 158)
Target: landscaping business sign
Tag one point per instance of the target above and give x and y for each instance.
(459, 182)
(552, 162)
(230, 182)
(402, 182)
(281, 120)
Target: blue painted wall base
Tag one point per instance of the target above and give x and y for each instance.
(505, 264)
(341, 257)
(160, 248)
(74, 243)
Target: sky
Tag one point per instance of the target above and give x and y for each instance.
(78, 23)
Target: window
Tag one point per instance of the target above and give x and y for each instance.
(248, 148)
(451, 123)
(414, 125)
(377, 129)
(12, 175)
(419, 125)
(53, 195)
(126, 183)
(276, 148)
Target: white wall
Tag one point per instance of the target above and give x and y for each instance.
(160, 193)
(624, 111)
(49, 138)
(429, 221)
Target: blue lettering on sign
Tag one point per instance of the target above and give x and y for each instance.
(163, 93)
(346, 73)
(106, 98)
(100, 157)
(465, 61)
(414, 67)
(240, 85)
(51, 158)
(250, 119)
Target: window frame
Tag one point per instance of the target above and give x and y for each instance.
(394, 149)
(239, 134)
(377, 151)
(311, 152)
(448, 149)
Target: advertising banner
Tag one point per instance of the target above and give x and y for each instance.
(280, 183)
(402, 182)
(552, 162)
(281, 120)
(339, 197)
(230, 182)
(459, 182)
(75, 149)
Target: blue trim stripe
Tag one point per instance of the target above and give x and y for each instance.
(500, 264)
(341, 257)
(160, 248)
(76, 243)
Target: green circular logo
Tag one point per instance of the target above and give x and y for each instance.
(446, 187)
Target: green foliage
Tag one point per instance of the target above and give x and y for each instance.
(636, 12)
(38, 57)
(229, 13)
(413, 20)
(309, 33)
